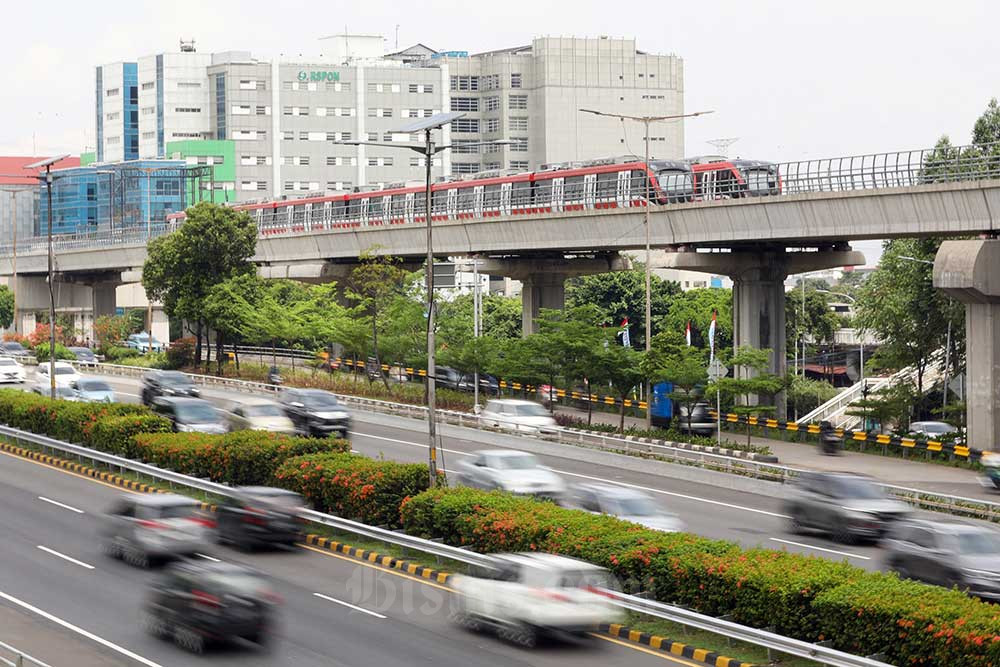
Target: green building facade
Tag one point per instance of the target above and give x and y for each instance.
(219, 154)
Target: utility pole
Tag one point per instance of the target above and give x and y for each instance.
(13, 224)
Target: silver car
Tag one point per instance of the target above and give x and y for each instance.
(510, 470)
(623, 503)
(848, 506)
(92, 390)
(144, 528)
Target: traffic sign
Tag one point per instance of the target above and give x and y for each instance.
(717, 371)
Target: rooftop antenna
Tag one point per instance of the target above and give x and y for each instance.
(397, 37)
(723, 144)
(188, 46)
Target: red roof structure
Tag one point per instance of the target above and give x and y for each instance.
(11, 166)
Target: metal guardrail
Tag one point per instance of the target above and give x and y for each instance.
(13, 657)
(667, 612)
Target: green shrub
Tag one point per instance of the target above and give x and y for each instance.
(115, 353)
(150, 360)
(63, 420)
(116, 434)
(180, 354)
(62, 352)
(354, 486)
(239, 458)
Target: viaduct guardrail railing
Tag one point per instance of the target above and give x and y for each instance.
(13, 657)
(772, 641)
(872, 171)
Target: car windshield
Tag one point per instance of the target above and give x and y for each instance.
(174, 511)
(584, 579)
(8, 362)
(93, 385)
(978, 543)
(321, 401)
(675, 181)
(531, 410)
(285, 500)
(197, 413)
(175, 379)
(517, 462)
(263, 410)
(634, 507)
(855, 487)
(238, 583)
(13, 345)
(65, 370)
(936, 428)
(62, 391)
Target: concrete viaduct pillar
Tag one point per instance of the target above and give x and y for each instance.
(969, 271)
(543, 280)
(759, 293)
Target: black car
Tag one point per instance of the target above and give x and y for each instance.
(315, 412)
(191, 414)
(488, 384)
(12, 348)
(166, 383)
(196, 603)
(260, 515)
(84, 355)
(447, 378)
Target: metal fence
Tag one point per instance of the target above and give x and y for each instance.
(743, 180)
(13, 657)
(685, 617)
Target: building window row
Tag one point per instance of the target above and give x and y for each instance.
(420, 162)
(149, 85)
(465, 104)
(295, 111)
(519, 144)
(312, 85)
(309, 186)
(189, 135)
(149, 135)
(114, 116)
(252, 84)
(383, 88)
(379, 112)
(187, 110)
(249, 134)
(380, 162)
(421, 88)
(654, 97)
(113, 141)
(188, 85)
(465, 83)
(113, 92)
(255, 160)
(465, 125)
(148, 111)
(515, 82)
(517, 102)
(465, 167)
(493, 103)
(296, 160)
(206, 159)
(492, 125)
(416, 113)
(518, 124)
(466, 146)
(338, 185)
(345, 112)
(491, 82)
(519, 165)
(340, 161)
(253, 185)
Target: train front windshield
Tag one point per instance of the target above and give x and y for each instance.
(675, 182)
(761, 181)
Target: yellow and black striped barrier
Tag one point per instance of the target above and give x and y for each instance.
(885, 440)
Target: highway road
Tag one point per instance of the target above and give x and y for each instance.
(336, 611)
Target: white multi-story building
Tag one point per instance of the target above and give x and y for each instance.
(288, 119)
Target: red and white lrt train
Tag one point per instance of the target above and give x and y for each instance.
(598, 184)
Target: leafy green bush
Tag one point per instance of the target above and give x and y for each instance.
(116, 434)
(239, 458)
(63, 420)
(114, 354)
(150, 360)
(180, 354)
(62, 352)
(354, 486)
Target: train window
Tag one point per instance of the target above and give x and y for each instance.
(675, 182)
(398, 206)
(573, 188)
(543, 193)
(520, 194)
(354, 208)
(466, 199)
(759, 181)
(439, 202)
(491, 197)
(607, 186)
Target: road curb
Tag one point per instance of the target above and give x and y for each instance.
(670, 646)
(369, 556)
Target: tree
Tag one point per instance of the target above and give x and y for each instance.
(818, 323)
(232, 309)
(6, 307)
(622, 294)
(109, 330)
(986, 131)
(214, 244)
(620, 368)
(804, 394)
(751, 382)
(687, 371)
(372, 284)
(900, 305)
(696, 306)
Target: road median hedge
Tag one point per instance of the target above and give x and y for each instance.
(800, 596)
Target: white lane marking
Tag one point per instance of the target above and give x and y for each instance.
(59, 504)
(207, 557)
(348, 604)
(829, 551)
(602, 479)
(65, 557)
(89, 635)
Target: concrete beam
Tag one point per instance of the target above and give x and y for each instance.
(307, 272)
(522, 268)
(734, 264)
(969, 271)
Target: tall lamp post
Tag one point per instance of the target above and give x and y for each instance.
(646, 121)
(947, 345)
(13, 226)
(862, 338)
(47, 178)
(428, 149)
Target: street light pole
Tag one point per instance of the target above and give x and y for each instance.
(646, 121)
(149, 236)
(52, 294)
(13, 218)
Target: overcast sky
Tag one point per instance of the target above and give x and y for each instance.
(792, 80)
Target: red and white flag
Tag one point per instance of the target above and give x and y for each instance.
(687, 333)
(711, 337)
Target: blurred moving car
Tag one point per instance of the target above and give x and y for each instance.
(191, 414)
(947, 554)
(510, 470)
(935, 430)
(11, 370)
(702, 422)
(260, 415)
(447, 377)
(65, 373)
(623, 503)
(84, 355)
(141, 342)
(64, 392)
(846, 505)
(92, 390)
(198, 602)
(166, 383)
(260, 515)
(488, 384)
(511, 414)
(144, 528)
(532, 594)
(315, 412)
(14, 349)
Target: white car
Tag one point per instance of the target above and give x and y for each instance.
(517, 415)
(65, 373)
(11, 370)
(625, 504)
(64, 392)
(531, 594)
(510, 470)
(260, 415)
